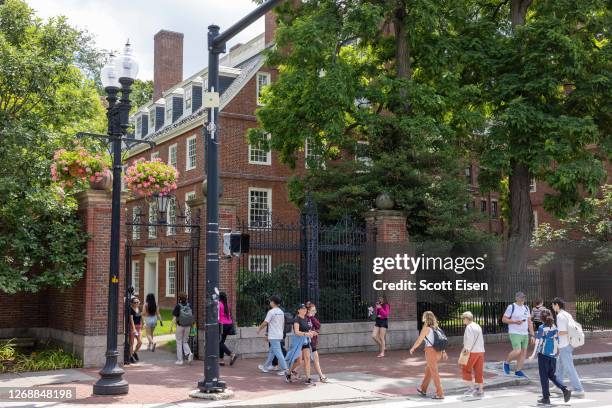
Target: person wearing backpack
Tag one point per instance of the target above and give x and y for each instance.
(520, 330)
(435, 350)
(547, 341)
(569, 331)
(536, 314)
(182, 319)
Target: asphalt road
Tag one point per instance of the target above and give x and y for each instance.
(596, 378)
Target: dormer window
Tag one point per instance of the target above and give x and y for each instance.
(152, 115)
(174, 106)
(263, 80)
(138, 127)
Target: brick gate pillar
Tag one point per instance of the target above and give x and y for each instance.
(228, 267)
(79, 316)
(390, 239)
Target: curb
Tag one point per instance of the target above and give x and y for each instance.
(312, 404)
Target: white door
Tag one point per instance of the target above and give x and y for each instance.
(150, 277)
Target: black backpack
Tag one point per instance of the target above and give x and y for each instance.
(288, 323)
(440, 340)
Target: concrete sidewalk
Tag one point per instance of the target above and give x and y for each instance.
(354, 377)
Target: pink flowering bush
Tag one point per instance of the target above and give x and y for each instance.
(76, 168)
(147, 178)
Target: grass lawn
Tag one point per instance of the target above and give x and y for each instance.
(166, 315)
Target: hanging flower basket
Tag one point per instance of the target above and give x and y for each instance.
(79, 168)
(148, 178)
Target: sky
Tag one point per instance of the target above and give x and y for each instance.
(112, 22)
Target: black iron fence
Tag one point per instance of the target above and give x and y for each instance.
(303, 261)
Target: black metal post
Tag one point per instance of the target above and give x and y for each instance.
(111, 380)
(216, 46)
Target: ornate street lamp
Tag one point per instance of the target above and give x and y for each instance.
(162, 201)
(117, 76)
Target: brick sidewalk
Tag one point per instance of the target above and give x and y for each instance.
(157, 380)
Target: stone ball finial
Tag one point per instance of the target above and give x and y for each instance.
(384, 202)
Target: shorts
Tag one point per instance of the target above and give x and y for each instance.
(382, 323)
(305, 346)
(313, 348)
(151, 321)
(519, 341)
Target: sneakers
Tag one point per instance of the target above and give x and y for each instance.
(136, 356)
(263, 369)
(280, 373)
(506, 368)
(470, 391)
(309, 382)
(521, 374)
(567, 394)
(132, 360)
(578, 394)
(233, 359)
(153, 347)
(544, 401)
(178, 362)
(287, 376)
(478, 394)
(190, 358)
(275, 368)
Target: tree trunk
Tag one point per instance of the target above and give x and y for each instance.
(521, 211)
(402, 51)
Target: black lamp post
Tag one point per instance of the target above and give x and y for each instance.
(117, 76)
(216, 46)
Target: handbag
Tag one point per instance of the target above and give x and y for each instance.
(232, 330)
(465, 354)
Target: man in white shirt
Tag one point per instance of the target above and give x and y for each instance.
(275, 320)
(520, 330)
(565, 363)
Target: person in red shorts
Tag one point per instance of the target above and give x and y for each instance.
(473, 344)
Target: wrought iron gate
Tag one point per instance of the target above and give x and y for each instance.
(176, 235)
(305, 260)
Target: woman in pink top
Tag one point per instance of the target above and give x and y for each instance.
(226, 327)
(381, 311)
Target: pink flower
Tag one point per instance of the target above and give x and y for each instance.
(92, 178)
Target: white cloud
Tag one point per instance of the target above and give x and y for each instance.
(114, 21)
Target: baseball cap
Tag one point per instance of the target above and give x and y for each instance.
(519, 295)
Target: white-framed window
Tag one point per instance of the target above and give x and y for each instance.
(532, 185)
(311, 156)
(468, 174)
(152, 233)
(483, 206)
(172, 155)
(191, 153)
(260, 154)
(171, 217)
(362, 154)
(494, 209)
(136, 276)
(188, 98)
(152, 117)
(154, 155)
(170, 277)
(260, 263)
(260, 207)
(169, 112)
(138, 129)
(263, 80)
(136, 221)
(535, 220)
(188, 196)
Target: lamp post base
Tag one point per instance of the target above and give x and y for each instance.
(111, 380)
(214, 386)
(212, 396)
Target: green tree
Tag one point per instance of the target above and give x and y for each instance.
(142, 93)
(543, 71)
(45, 98)
(378, 77)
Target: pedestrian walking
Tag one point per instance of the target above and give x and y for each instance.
(275, 323)
(226, 328)
(520, 330)
(300, 351)
(435, 351)
(315, 326)
(547, 349)
(151, 317)
(565, 365)
(381, 324)
(182, 319)
(536, 314)
(472, 356)
(135, 329)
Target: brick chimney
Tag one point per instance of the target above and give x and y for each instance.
(168, 61)
(270, 26)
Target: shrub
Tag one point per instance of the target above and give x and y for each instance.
(49, 358)
(587, 307)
